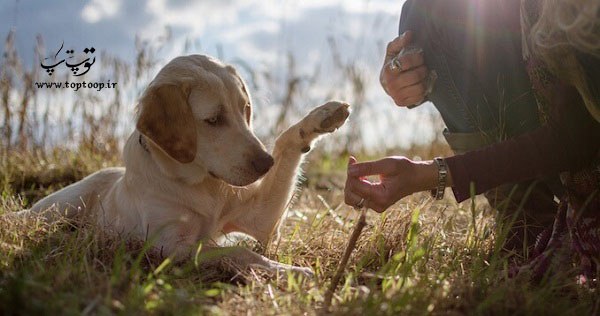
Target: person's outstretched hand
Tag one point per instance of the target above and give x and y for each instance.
(398, 177)
(408, 85)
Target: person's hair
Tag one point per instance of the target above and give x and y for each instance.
(564, 29)
(568, 23)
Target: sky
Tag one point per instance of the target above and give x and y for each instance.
(261, 34)
(251, 27)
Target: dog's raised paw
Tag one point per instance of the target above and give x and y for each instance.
(338, 113)
(329, 116)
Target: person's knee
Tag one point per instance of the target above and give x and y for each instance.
(414, 16)
(431, 20)
(438, 13)
(530, 199)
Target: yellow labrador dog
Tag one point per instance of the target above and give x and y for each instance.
(193, 166)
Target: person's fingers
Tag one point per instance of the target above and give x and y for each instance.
(416, 90)
(395, 46)
(409, 61)
(374, 206)
(409, 95)
(394, 84)
(411, 101)
(369, 191)
(351, 160)
(375, 195)
(406, 78)
(351, 198)
(368, 168)
(393, 49)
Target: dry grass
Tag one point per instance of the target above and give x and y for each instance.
(420, 257)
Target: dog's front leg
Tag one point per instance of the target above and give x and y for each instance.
(244, 259)
(187, 238)
(269, 198)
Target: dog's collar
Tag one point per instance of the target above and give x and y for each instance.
(143, 143)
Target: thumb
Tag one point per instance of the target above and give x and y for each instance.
(351, 160)
(383, 166)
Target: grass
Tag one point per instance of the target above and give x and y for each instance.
(420, 257)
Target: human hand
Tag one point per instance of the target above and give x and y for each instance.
(398, 177)
(408, 85)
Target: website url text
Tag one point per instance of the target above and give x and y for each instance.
(98, 86)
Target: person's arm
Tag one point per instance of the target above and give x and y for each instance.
(569, 141)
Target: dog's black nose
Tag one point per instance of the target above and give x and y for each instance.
(263, 163)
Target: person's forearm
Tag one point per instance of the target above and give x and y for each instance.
(570, 141)
(427, 176)
(533, 155)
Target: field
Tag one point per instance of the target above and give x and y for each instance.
(420, 257)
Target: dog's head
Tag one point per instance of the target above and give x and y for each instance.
(198, 111)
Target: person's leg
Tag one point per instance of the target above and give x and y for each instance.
(524, 210)
(482, 91)
(482, 84)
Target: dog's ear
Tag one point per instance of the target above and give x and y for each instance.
(248, 110)
(249, 114)
(166, 118)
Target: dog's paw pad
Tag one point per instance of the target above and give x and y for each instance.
(337, 118)
(330, 116)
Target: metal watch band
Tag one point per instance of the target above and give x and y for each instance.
(438, 192)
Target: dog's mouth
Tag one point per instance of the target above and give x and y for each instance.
(234, 181)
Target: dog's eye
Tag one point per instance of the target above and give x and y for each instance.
(215, 120)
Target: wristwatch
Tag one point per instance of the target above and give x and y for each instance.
(438, 192)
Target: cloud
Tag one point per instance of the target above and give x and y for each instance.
(251, 29)
(115, 25)
(97, 10)
(259, 32)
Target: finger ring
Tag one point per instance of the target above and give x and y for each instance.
(361, 203)
(395, 64)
